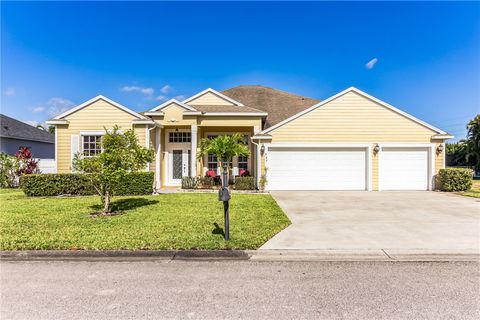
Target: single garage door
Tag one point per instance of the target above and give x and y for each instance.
(403, 169)
(316, 169)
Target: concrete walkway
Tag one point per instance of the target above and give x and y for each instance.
(398, 222)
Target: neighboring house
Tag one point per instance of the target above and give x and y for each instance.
(15, 134)
(350, 141)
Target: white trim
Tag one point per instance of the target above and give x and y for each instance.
(443, 136)
(369, 168)
(193, 151)
(262, 137)
(444, 156)
(158, 145)
(54, 122)
(253, 114)
(192, 113)
(99, 97)
(143, 122)
(173, 101)
(56, 149)
(257, 129)
(431, 159)
(353, 89)
(92, 133)
(155, 113)
(215, 92)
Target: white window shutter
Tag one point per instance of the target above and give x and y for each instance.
(74, 146)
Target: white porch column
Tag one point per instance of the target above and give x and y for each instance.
(193, 164)
(256, 130)
(158, 159)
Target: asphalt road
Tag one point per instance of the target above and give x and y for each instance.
(239, 290)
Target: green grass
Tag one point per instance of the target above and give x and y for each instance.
(168, 221)
(474, 191)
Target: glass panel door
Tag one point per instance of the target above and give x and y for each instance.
(177, 164)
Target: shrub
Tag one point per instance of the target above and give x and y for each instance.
(206, 182)
(189, 182)
(455, 179)
(135, 183)
(245, 183)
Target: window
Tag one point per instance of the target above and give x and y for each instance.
(92, 145)
(180, 137)
(212, 162)
(242, 163)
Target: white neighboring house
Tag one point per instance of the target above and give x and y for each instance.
(15, 134)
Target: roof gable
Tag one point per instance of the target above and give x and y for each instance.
(95, 99)
(211, 97)
(170, 102)
(363, 94)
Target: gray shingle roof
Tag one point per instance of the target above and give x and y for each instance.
(12, 128)
(279, 105)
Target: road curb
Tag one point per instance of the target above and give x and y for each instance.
(125, 255)
(253, 255)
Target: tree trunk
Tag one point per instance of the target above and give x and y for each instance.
(106, 202)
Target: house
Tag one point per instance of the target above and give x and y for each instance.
(350, 141)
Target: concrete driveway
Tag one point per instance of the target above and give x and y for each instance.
(405, 221)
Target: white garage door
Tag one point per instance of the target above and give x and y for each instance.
(403, 169)
(316, 169)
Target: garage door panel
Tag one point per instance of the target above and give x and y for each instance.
(404, 169)
(317, 169)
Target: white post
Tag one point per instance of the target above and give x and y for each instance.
(193, 152)
(257, 158)
(158, 153)
(147, 144)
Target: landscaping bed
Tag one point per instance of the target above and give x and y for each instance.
(474, 190)
(165, 221)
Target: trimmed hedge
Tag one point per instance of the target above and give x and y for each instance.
(38, 185)
(455, 179)
(245, 183)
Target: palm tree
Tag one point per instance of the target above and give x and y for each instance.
(225, 148)
(473, 136)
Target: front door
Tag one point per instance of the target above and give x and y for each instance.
(178, 165)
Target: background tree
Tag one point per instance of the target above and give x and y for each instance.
(121, 154)
(225, 148)
(466, 152)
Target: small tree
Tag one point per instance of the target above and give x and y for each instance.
(120, 155)
(225, 148)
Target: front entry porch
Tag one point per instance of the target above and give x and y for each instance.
(176, 149)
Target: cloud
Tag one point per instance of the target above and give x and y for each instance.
(146, 91)
(38, 109)
(370, 64)
(160, 98)
(9, 92)
(58, 105)
(179, 98)
(166, 89)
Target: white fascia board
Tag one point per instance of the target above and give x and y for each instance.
(353, 89)
(319, 145)
(262, 137)
(443, 136)
(215, 92)
(154, 113)
(54, 121)
(99, 97)
(253, 114)
(192, 113)
(174, 101)
(143, 122)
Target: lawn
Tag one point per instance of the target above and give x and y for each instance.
(167, 221)
(474, 191)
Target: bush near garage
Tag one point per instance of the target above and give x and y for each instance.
(455, 179)
(39, 185)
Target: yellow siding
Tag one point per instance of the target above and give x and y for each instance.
(352, 118)
(174, 115)
(95, 117)
(210, 99)
(230, 121)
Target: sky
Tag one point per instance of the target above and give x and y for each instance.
(421, 57)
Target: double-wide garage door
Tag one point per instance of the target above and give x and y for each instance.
(317, 169)
(346, 168)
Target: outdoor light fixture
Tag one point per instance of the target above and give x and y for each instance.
(376, 148)
(262, 149)
(440, 148)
